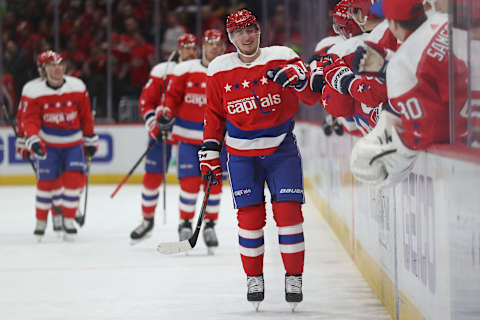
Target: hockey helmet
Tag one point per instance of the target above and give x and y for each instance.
(48, 56)
(343, 23)
(240, 19)
(213, 35)
(187, 40)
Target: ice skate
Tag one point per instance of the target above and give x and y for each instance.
(255, 290)
(142, 232)
(185, 230)
(293, 290)
(39, 231)
(210, 237)
(57, 225)
(70, 232)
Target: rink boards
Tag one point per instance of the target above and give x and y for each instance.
(417, 245)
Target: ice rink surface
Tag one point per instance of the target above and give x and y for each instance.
(101, 276)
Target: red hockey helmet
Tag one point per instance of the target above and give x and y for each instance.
(213, 35)
(187, 40)
(48, 56)
(343, 23)
(240, 19)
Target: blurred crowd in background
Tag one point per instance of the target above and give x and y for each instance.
(113, 44)
(28, 28)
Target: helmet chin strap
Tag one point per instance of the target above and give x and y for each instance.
(240, 51)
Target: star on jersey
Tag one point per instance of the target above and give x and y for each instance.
(189, 84)
(245, 84)
(203, 85)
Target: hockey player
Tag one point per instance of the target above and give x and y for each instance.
(57, 120)
(362, 96)
(23, 152)
(186, 99)
(157, 122)
(254, 93)
(418, 93)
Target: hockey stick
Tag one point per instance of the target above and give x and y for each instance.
(150, 147)
(81, 219)
(164, 141)
(185, 245)
(164, 172)
(10, 121)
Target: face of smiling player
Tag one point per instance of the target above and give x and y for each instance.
(247, 41)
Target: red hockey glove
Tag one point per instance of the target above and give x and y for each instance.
(317, 65)
(159, 123)
(90, 145)
(36, 147)
(210, 165)
(371, 58)
(338, 76)
(21, 148)
(290, 75)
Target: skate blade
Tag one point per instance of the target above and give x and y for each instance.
(293, 305)
(256, 305)
(69, 237)
(137, 241)
(58, 234)
(39, 238)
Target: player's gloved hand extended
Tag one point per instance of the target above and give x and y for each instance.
(371, 58)
(317, 64)
(209, 156)
(159, 123)
(90, 145)
(21, 147)
(36, 147)
(338, 76)
(290, 75)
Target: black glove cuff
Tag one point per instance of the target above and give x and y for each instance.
(211, 146)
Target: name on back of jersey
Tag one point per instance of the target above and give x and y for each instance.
(438, 49)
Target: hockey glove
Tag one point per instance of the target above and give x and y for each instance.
(327, 125)
(338, 76)
(36, 147)
(90, 145)
(209, 156)
(371, 58)
(159, 123)
(337, 127)
(21, 148)
(291, 75)
(380, 157)
(317, 64)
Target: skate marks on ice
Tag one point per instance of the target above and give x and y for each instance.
(100, 276)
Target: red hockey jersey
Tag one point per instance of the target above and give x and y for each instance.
(151, 95)
(418, 86)
(257, 113)
(60, 117)
(186, 98)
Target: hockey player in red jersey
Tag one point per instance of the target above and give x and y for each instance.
(418, 93)
(253, 94)
(359, 97)
(57, 120)
(186, 99)
(158, 120)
